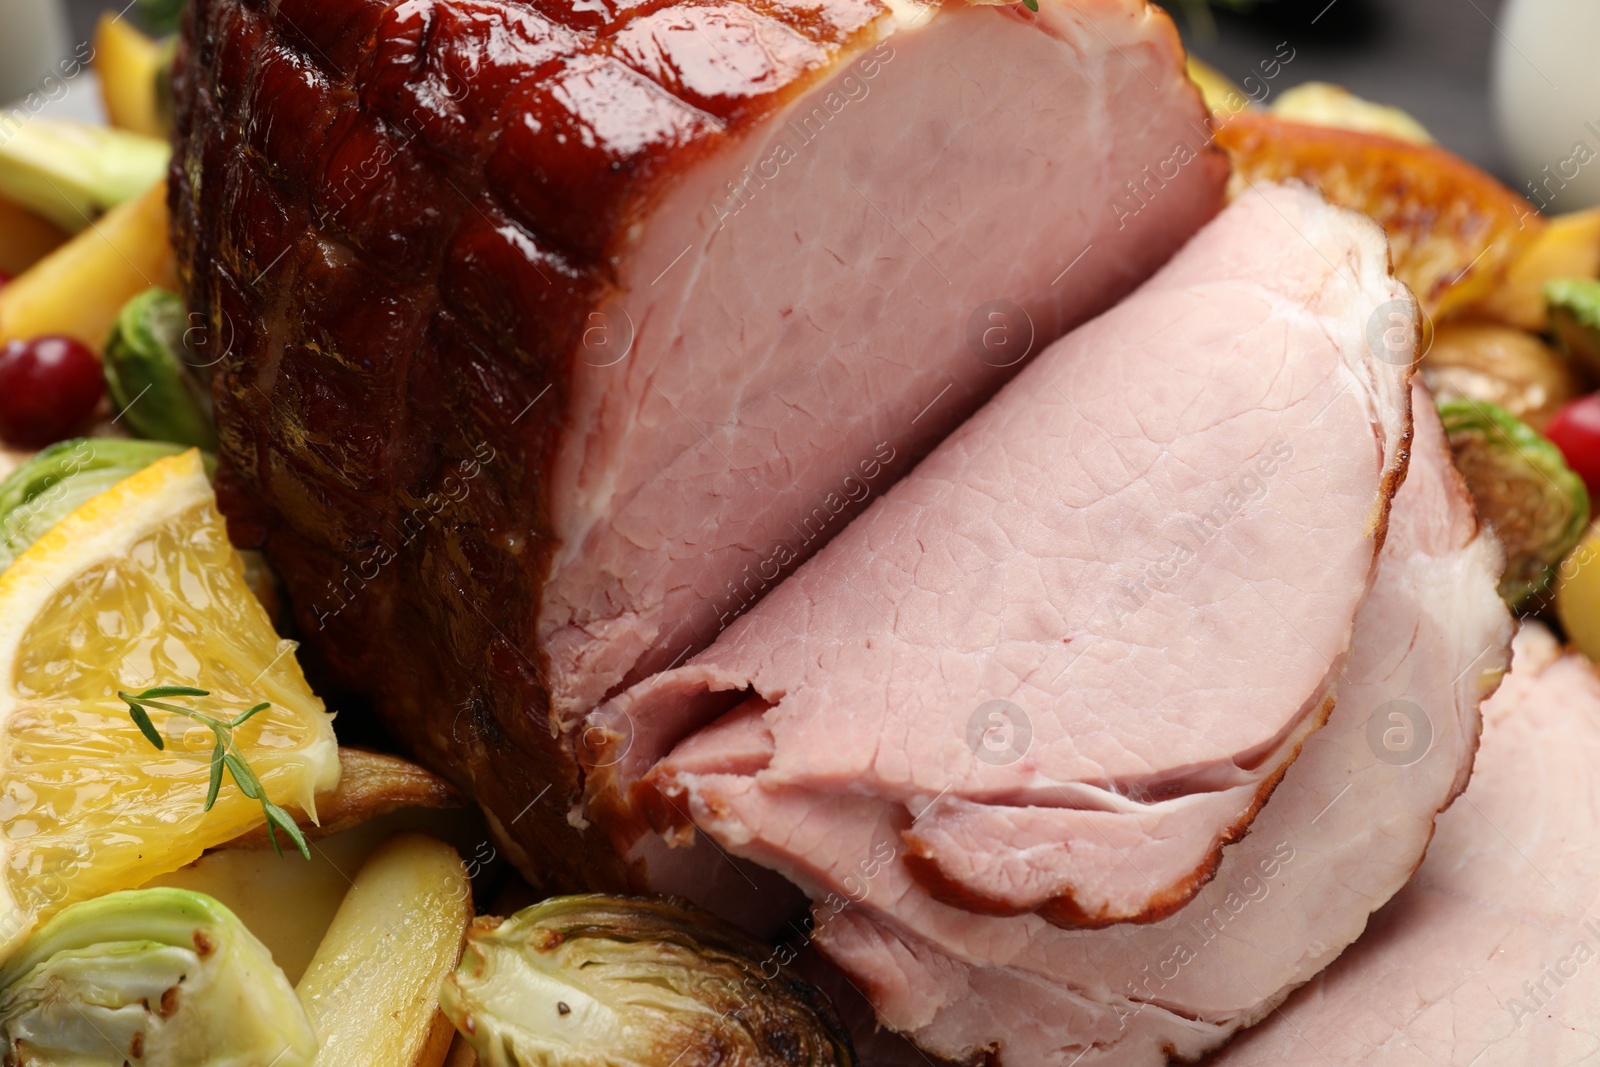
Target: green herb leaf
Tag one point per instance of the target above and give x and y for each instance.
(242, 719)
(141, 719)
(276, 816)
(1031, 5)
(217, 756)
(241, 774)
(222, 756)
(161, 692)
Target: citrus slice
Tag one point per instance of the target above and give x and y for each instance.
(1453, 230)
(138, 587)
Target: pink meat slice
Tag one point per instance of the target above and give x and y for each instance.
(1081, 642)
(1491, 956)
(802, 301)
(565, 330)
(1342, 833)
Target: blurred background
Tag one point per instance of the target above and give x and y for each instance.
(1430, 58)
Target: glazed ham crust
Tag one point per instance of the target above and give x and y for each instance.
(539, 328)
(402, 496)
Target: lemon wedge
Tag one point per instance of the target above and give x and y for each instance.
(138, 587)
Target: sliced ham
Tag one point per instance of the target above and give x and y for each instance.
(1343, 832)
(550, 336)
(1491, 956)
(1112, 561)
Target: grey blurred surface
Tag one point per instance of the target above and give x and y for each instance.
(1430, 57)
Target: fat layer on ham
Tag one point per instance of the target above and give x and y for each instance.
(1077, 647)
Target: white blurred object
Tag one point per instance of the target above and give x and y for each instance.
(33, 45)
(1547, 100)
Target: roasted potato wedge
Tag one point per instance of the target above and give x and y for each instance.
(1569, 247)
(289, 905)
(1501, 365)
(80, 288)
(1453, 229)
(372, 990)
(1324, 104)
(25, 238)
(129, 65)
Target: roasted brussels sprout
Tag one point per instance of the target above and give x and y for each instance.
(53, 483)
(1575, 319)
(1503, 365)
(1523, 488)
(637, 982)
(147, 374)
(161, 16)
(72, 173)
(158, 977)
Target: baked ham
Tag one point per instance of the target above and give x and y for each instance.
(1342, 833)
(1076, 648)
(550, 335)
(1284, 286)
(1491, 956)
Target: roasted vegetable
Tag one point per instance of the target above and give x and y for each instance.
(148, 376)
(129, 65)
(161, 16)
(290, 906)
(1222, 96)
(372, 990)
(1574, 305)
(158, 977)
(72, 173)
(1578, 596)
(648, 983)
(1502, 365)
(1452, 228)
(80, 288)
(1576, 431)
(1523, 488)
(52, 484)
(1568, 247)
(1323, 104)
(25, 238)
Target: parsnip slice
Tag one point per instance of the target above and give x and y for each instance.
(79, 289)
(371, 991)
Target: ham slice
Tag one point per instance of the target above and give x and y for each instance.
(550, 336)
(1343, 832)
(1109, 562)
(1491, 956)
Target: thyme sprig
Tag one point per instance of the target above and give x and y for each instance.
(224, 755)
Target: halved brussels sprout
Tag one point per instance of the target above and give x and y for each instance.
(147, 376)
(1575, 319)
(631, 982)
(1523, 487)
(157, 977)
(55, 482)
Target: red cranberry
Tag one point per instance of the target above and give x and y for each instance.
(49, 389)
(1576, 431)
